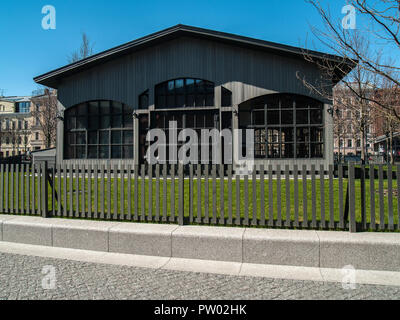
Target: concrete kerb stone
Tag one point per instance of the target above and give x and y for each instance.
(82, 234)
(2, 219)
(324, 249)
(208, 243)
(141, 239)
(28, 230)
(367, 251)
(281, 247)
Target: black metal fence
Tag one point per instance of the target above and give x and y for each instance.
(353, 198)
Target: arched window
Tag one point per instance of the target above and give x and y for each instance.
(184, 93)
(99, 130)
(286, 126)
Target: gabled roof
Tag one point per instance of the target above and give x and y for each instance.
(52, 78)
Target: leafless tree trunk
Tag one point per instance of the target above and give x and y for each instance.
(47, 116)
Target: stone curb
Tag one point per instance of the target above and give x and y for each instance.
(304, 248)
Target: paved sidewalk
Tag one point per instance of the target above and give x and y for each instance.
(21, 278)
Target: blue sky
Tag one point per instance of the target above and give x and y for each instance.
(27, 50)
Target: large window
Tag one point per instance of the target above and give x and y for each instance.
(22, 107)
(184, 93)
(99, 130)
(196, 120)
(286, 126)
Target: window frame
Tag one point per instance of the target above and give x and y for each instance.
(166, 96)
(272, 105)
(108, 118)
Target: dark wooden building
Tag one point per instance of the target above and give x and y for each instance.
(201, 79)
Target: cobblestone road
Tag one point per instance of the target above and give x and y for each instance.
(21, 278)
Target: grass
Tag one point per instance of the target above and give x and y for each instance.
(216, 195)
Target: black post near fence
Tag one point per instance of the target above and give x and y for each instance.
(330, 198)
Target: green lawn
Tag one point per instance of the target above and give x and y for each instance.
(209, 202)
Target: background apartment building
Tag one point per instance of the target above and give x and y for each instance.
(20, 131)
(381, 129)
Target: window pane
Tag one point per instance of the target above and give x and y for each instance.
(179, 119)
(316, 116)
(81, 152)
(92, 137)
(209, 100)
(104, 137)
(302, 116)
(302, 103)
(287, 135)
(210, 121)
(170, 101)
(317, 135)
(71, 123)
(179, 85)
(287, 117)
(317, 150)
(199, 121)
(81, 138)
(190, 85)
(104, 152)
(273, 117)
(116, 122)
(105, 122)
(93, 107)
(200, 86)
(303, 135)
(189, 120)
(69, 152)
(128, 137)
(116, 152)
(180, 101)
(287, 150)
(190, 101)
(200, 101)
(116, 137)
(94, 122)
(81, 123)
(286, 102)
(272, 102)
(71, 138)
(161, 101)
(273, 151)
(303, 150)
(128, 121)
(127, 152)
(171, 87)
(258, 118)
(273, 135)
(92, 152)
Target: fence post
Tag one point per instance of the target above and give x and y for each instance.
(363, 196)
(352, 200)
(181, 196)
(45, 190)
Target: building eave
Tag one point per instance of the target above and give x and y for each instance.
(52, 78)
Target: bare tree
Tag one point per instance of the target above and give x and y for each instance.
(383, 28)
(85, 50)
(46, 115)
(353, 94)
